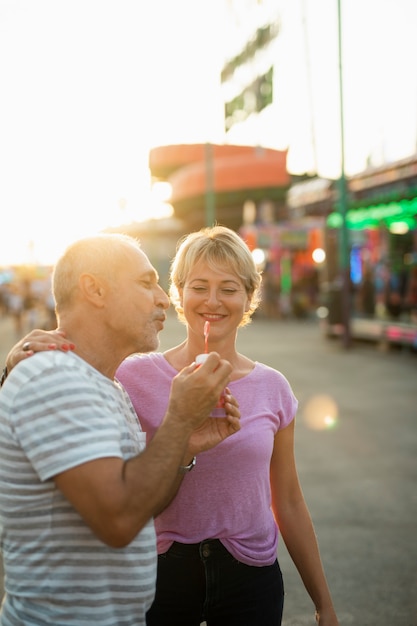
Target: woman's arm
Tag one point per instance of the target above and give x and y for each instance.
(296, 527)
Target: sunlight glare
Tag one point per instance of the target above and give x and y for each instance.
(74, 150)
(320, 412)
(259, 258)
(160, 210)
(161, 191)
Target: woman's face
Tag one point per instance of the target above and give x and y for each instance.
(215, 295)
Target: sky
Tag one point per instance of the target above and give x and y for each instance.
(89, 86)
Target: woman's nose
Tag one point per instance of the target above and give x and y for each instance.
(213, 298)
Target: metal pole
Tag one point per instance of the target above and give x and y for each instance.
(344, 241)
(210, 198)
(310, 90)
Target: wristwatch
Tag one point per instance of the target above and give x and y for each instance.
(183, 469)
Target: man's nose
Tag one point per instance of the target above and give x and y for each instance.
(162, 298)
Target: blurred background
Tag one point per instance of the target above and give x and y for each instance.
(294, 122)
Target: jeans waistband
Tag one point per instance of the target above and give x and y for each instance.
(205, 547)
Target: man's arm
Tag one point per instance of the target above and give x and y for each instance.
(117, 498)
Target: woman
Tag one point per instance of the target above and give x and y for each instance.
(217, 541)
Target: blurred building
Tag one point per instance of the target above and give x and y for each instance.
(251, 89)
(382, 226)
(249, 78)
(237, 182)
(381, 223)
(294, 222)
(227, 184)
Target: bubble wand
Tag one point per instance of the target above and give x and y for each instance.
(219, 410)
(206, 335)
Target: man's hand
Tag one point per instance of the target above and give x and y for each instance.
(215, 429)
(196, 390)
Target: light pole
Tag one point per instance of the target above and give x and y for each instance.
(210, 197)
(344, 242)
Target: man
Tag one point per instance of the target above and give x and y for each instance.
(78, 488)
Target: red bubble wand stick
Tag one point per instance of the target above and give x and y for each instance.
(206, 335)
(219, 410)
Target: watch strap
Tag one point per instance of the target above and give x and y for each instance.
(184, 469)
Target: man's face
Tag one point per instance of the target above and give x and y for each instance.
(137, 305)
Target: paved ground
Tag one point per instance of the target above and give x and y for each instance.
(359, 473)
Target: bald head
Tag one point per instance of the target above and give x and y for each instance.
(102, 256)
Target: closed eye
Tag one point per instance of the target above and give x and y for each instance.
(229, 291)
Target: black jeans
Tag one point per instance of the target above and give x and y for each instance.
(204, 581)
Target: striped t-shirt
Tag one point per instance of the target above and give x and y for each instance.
(57, 412)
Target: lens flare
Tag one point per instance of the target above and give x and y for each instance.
(320, 412)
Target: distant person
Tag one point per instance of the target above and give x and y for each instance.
(411, 295)
(367, 296)
(30, 304)
(393, 296)
(15, 306)
(78, 487)
(270, 294)
(218, 540)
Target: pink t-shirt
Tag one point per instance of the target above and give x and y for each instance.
(227, 495)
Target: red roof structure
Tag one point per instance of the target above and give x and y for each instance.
(232, 174)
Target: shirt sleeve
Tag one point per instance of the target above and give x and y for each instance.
(66, 416)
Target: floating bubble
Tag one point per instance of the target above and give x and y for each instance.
(320, 412)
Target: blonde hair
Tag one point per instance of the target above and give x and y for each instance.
(102, 255)
(219, 247)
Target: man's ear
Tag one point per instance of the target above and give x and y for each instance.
(92, 289)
